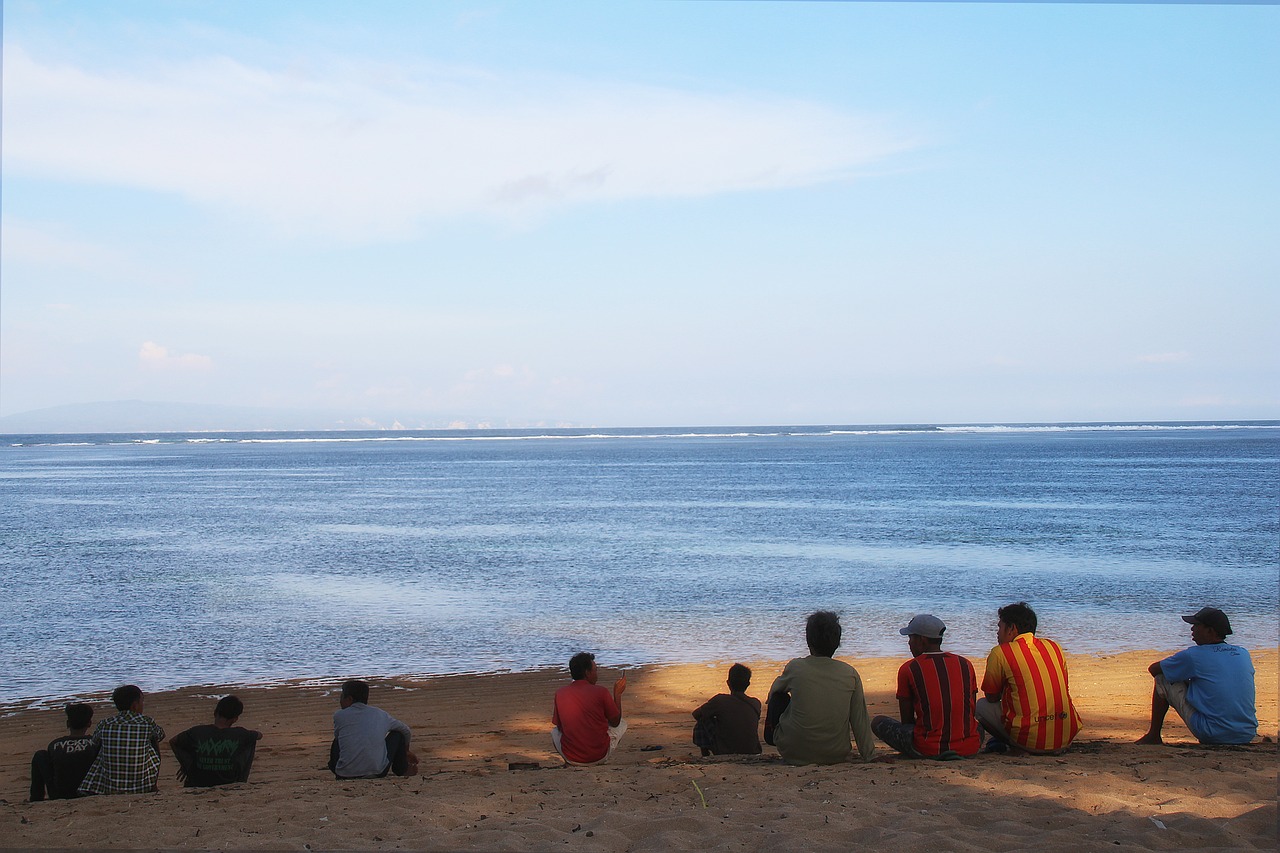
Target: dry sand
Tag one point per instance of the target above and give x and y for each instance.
(656, 793)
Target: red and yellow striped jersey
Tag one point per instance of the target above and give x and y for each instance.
(1030, 675)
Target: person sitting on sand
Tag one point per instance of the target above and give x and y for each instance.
(61, 766)
(128, 759)
(1210, 685)
(217, 754)
(936, 692)
(729, 723)
(368, 742)
(586, 718)
(817, 701)
(1027, 700)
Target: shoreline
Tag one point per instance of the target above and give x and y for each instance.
(469, 729)
(20, 705)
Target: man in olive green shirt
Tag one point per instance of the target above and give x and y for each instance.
(817, 701)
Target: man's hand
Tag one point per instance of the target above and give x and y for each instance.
(619, 687)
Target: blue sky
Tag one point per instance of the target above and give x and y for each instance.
(650, 213)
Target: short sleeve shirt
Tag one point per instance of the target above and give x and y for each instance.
(214, 756)
(942, 688)
(1030, 674)
(582, 710)
(1220, 687)
(737, 723)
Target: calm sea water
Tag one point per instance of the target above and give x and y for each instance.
(171, 560)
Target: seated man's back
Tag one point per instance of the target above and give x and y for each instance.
(71, 758)
(59, 768)
(1026, 680)
(824, 702)
(219, 753)
(815, 727)
(367, 741)
(730, 722)
(1221, 688)
(128, 760)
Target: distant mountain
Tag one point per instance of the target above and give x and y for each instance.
(143, 416)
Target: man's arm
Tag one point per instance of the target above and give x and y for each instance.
(619, 687)
(907, 709)
(394, 725)
(182, 751)
(993, 678)
(860, 724)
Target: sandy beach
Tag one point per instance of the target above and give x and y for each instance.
(657, 792)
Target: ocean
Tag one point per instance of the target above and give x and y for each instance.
(172, 560)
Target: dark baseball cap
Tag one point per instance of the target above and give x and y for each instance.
(1210, 617)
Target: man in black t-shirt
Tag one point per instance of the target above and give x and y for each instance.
(61, 766)
(217, 754)
(728, 724)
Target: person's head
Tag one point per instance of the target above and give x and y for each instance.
(229, 708)
(822, 633)
(739, 678)
(79, 716)
(582, 665)
(126, 697)
(1016, 619)
(1209, 625)
(354, 691)
(924, 633)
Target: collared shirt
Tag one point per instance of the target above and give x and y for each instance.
(1030, 676)
(361, 732)
(128, 761)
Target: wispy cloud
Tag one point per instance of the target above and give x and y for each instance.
(156, 357)
(367, 152)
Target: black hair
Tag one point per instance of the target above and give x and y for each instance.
(356, 689)
(1019, 615)
(739, 677)
(79, 716)
(230, 707)
(822, 633)
(125, 695)
(580, 665)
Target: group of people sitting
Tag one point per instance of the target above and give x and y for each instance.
(122, 756)
(1025, 706)
(815, 706)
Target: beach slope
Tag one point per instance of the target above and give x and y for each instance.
(657, 794)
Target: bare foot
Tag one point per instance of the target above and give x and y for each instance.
(1150, 739)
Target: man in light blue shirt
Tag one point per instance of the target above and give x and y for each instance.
(368, 742)
(1210, 685)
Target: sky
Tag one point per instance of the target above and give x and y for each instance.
(643, 213)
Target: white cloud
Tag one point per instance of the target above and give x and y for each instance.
(365, 151)
(1164, 358)
(156, 357)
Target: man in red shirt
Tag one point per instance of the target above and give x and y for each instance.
(587, 718)
(936, 692)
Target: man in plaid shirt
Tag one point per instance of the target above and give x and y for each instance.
(128, 760)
